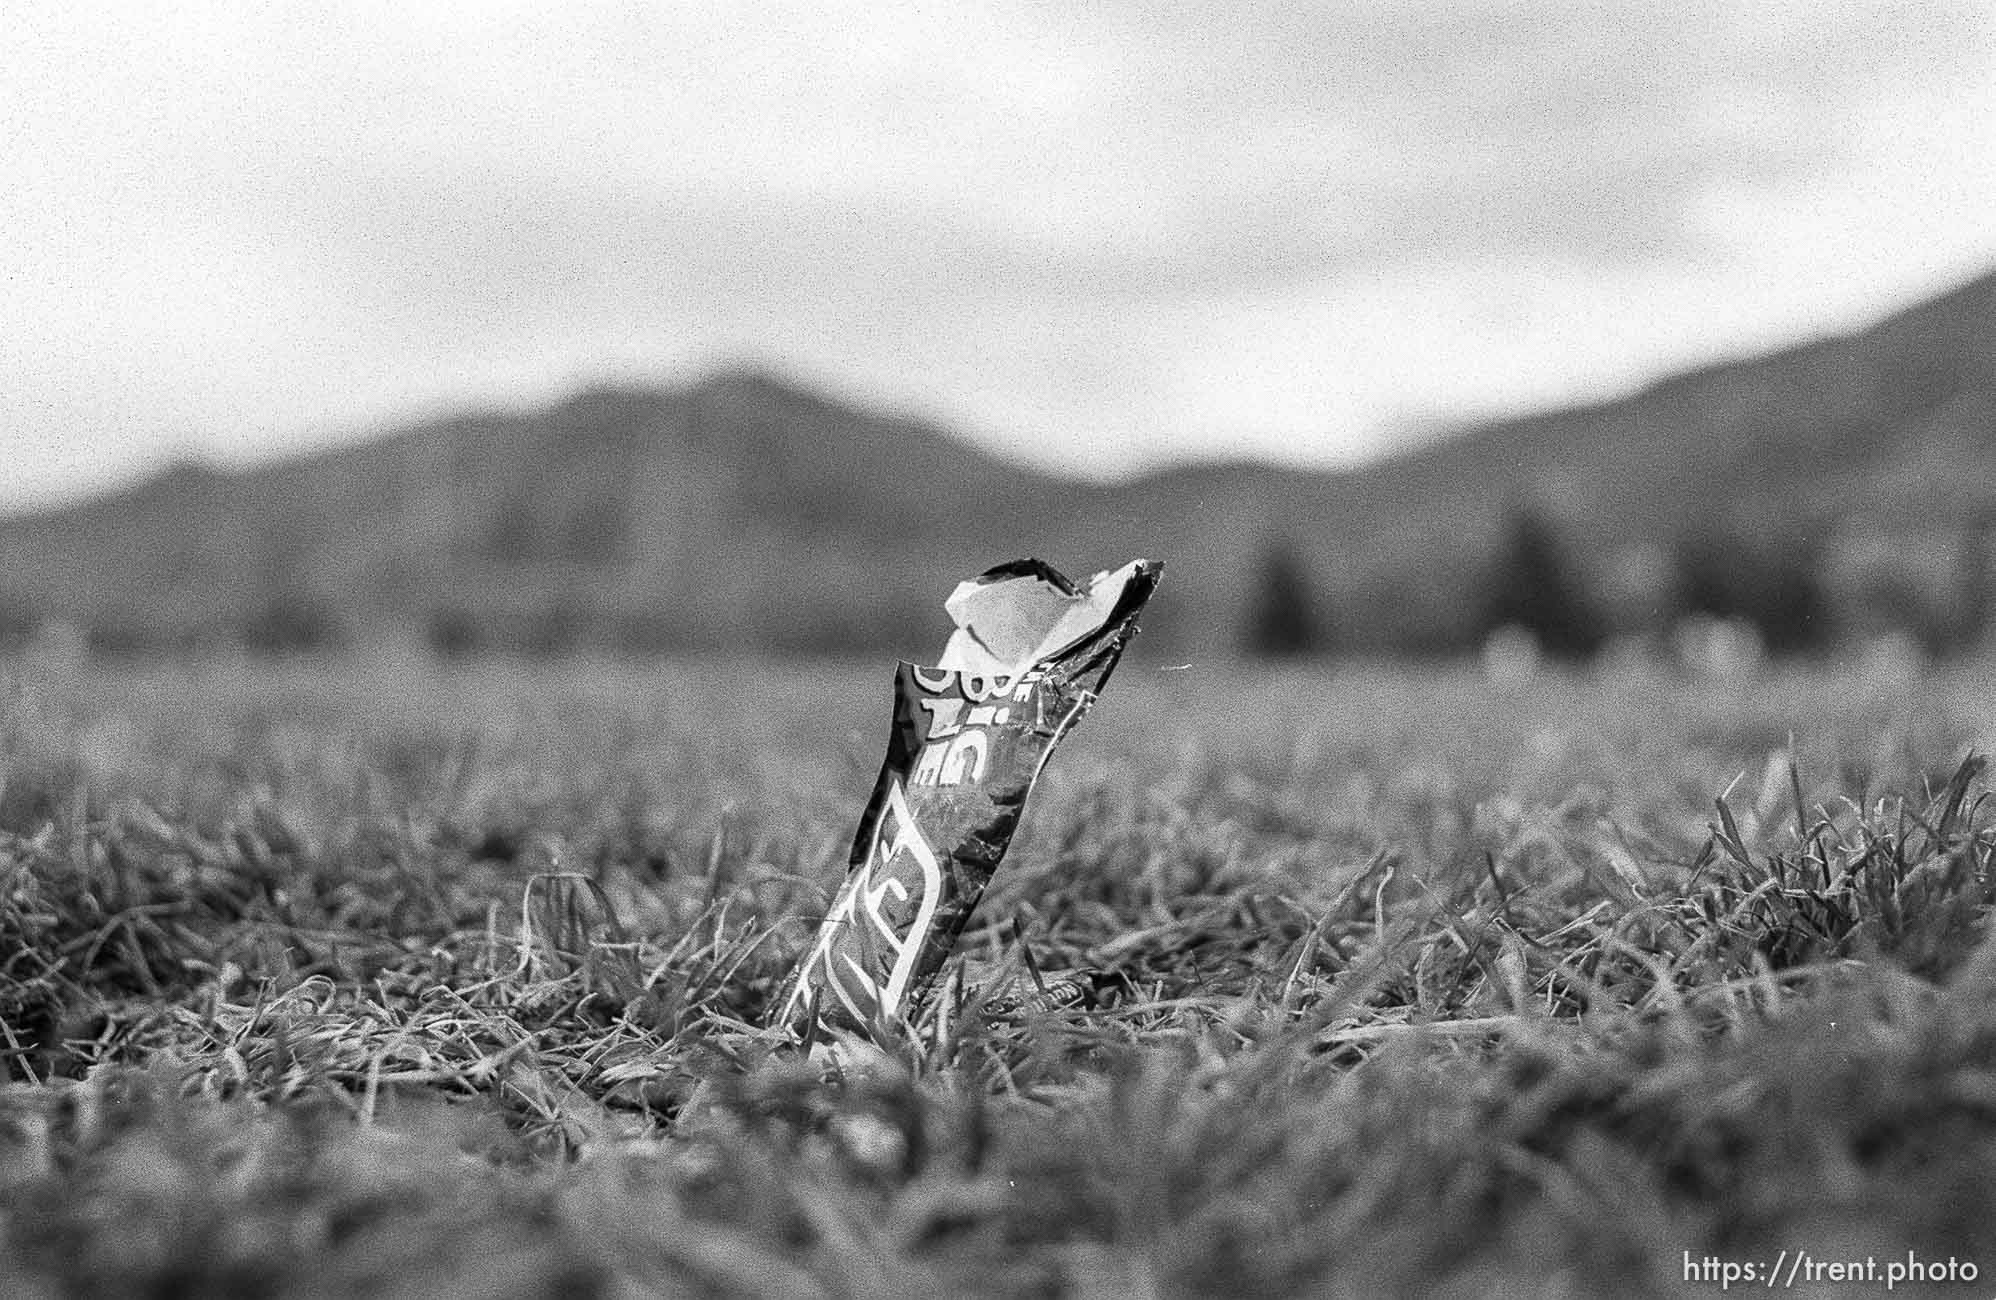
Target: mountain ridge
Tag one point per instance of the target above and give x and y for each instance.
(748, 510)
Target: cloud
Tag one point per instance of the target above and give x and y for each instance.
(260, 218)
(1589, 132)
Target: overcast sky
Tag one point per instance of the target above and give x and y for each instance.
(1099, 235)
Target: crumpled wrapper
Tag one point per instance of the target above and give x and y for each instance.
(1031, 653)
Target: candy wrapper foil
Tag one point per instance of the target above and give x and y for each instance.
(970, 736)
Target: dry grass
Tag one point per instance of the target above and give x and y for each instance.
(316, 982)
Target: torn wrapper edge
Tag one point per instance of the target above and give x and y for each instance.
(970, 735)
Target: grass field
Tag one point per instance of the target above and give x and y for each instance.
(317, 981)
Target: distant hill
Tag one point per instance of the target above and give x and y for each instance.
(745, 511)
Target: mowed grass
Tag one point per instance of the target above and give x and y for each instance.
(326, 980)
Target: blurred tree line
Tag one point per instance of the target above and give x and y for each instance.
(1801, 590)
(1793, 587)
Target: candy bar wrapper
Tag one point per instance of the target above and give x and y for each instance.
(1031, 652)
